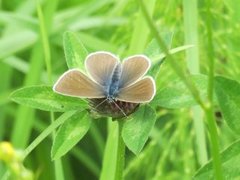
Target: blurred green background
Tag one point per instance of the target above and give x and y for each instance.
(118, 27)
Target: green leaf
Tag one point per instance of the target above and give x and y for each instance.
(136, 130)
(75, 51)
(43, 98)
(153, 51)
(177, 94)
(70, 133)
(228, 96)
(48, 130)
(230, 164)
(96, 43)
(171, 51)
(157, 57)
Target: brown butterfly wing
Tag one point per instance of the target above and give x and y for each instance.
(140, 92)
(133, 68)
(100, 66)
(75, 83)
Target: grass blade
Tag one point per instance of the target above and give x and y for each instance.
(192, 55)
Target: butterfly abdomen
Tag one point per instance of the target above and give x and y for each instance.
(114, 108)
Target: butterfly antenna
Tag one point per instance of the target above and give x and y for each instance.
(119, 108)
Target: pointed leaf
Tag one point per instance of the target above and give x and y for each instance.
(228, 96)
(230, 164)
(75, 51)
(70, 133)
(177, 95)
(43, 98)
(158, 59)
(136, 130)
(48, 130)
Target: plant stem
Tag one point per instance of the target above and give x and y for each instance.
(59, 174)
(192, 56)
(111, 147)
(48, 131)
(214, 144)
(120, 153)
(114, 153)
(47, 54)
(175, 66)
(210, 111)
(195, 93)
(79, 154)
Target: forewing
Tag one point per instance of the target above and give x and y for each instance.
(100, 66)
(140, 92)
(75, 83)
(133, 68)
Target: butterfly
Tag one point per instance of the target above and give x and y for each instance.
(113, 88)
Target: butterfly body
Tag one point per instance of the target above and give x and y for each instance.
(113, 88)
(113, 85)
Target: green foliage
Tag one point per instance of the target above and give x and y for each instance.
(75, 52)
(157, 57)
(79, 27)
(109, 161)
(70, 133)
(228, 96)
(43, 98)
(230, 158)
(136, 130)
(47, 131)
(177, 94)
(16, 42)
